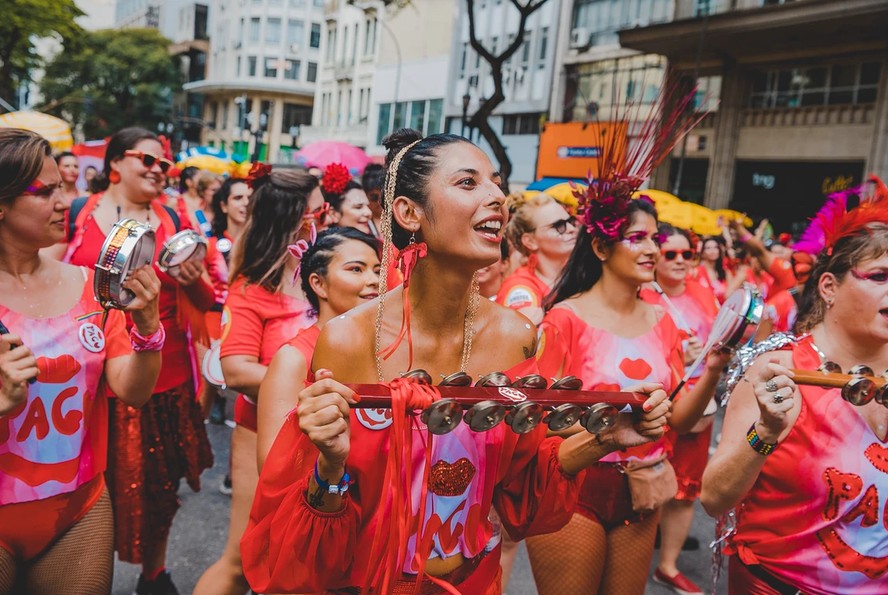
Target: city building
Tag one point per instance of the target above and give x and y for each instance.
(410, 82)
(261, 75)
(803, 107)
(527, 78)
(345, 79)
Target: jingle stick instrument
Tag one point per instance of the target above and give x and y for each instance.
(858, 388)
(522, 404)
(742, 309)
(5, 331)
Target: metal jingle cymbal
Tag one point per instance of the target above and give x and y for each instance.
(567, 383)
(494, 379)
(881, 395)
(829, 367)
(442, 416)
(861, 370)
(859, 391)
(532, 381)
(563, 416)
(525, 417)
(457, 379)
(418, 375)
(599, 417)
(484, 416)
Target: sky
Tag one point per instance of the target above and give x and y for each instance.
(99, 14)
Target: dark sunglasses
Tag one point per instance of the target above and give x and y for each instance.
(673, 254)
(149, 159)
(38, 188)
(560, 226)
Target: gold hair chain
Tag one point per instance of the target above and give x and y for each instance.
(391, 180)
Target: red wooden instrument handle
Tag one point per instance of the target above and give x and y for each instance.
(378, 396)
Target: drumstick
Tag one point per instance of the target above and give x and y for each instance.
(676, 315)
(831, 379)
(378, 396)
(5, 331)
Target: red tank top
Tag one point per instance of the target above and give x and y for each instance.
(816, 517)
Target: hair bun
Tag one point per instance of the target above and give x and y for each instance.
(399, 139)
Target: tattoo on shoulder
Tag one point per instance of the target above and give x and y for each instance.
(530, 350)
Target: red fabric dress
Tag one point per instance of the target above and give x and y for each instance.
(783, 310)
(257, 323)
(604, 361)
(54, 447)
(523, 289)
(698, 308)
(154, 447)
(290, 547)
(815, 517)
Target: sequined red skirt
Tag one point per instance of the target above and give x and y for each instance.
(150, 451)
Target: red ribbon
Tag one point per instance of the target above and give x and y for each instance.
(407, 260)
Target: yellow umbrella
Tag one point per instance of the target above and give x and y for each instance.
(562, 192)
(207, 163)
(730, 215)
(53, 129)
(660, 197)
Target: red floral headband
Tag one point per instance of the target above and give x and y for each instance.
(335, 179)
(258, 173)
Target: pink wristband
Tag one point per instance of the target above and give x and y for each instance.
(153, 342)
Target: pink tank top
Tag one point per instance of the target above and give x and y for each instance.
(816, 517)
(57, 440)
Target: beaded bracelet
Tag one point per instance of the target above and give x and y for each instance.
(153, 342)
(339, 488)
(757, 444)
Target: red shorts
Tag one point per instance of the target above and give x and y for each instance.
(605, 498)
(245, 413)
(27, 529)
(690, 453)
(743, 580)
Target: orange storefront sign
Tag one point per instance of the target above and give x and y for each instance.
(574, 149)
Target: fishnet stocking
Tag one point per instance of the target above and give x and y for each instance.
(570, 560)
(82, 561)
(7, 572)
(584, 558)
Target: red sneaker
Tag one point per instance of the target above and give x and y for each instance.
(678, 583)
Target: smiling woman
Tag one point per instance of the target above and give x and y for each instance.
(328, 515)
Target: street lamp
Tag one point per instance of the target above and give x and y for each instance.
(466, 98)
(257, 135)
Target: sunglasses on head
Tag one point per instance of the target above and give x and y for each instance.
(149, 159)
(38, 188)
(673, 254)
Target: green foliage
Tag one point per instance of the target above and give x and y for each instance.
(22, 22)
(113, 79)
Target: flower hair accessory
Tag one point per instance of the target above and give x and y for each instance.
(299, 248)
(635, 139)
(259, 172)
(335, 179)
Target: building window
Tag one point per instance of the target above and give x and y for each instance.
(251, 66)
(702, 7)
(297, 3)
(318, 3)
(521, 124)
(224, 123)
(271, 68)
(462, 59)
(315, 40)
(354, 48)
(596, 22)
(254, 30)
(312, 75)
(331, 45)
(295, 115)
(525, 50)
(238, 66)
(599, 89)
(292, 70)
(834, 84)
(425, 116)
(369, 36)
(273, 31)
(295, 33)
(544, 46)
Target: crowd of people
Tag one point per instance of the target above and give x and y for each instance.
(316, 281)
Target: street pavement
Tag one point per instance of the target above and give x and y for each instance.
(201, 527)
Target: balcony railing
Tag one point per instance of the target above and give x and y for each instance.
(818, 115)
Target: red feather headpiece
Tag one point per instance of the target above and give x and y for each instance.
(838, 224)
(634, 141)
(258, 173)
(336, 177)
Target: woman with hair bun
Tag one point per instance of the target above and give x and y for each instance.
(325, 516)
(349, 205)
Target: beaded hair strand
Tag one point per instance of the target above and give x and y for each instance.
(391, 181)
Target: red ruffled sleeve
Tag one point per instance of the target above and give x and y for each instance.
(289, 547)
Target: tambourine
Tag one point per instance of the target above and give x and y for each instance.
(211, 367)
(182, 247)
(129, 246)
(742, 310)
(522, 404)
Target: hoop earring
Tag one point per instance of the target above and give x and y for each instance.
(114, 177)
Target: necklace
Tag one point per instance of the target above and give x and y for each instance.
(468, 330)
(147, 214)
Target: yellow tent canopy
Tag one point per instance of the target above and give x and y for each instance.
(53, 129)
(688, 215)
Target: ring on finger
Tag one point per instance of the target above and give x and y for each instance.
(771, 386)
(778, 398)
